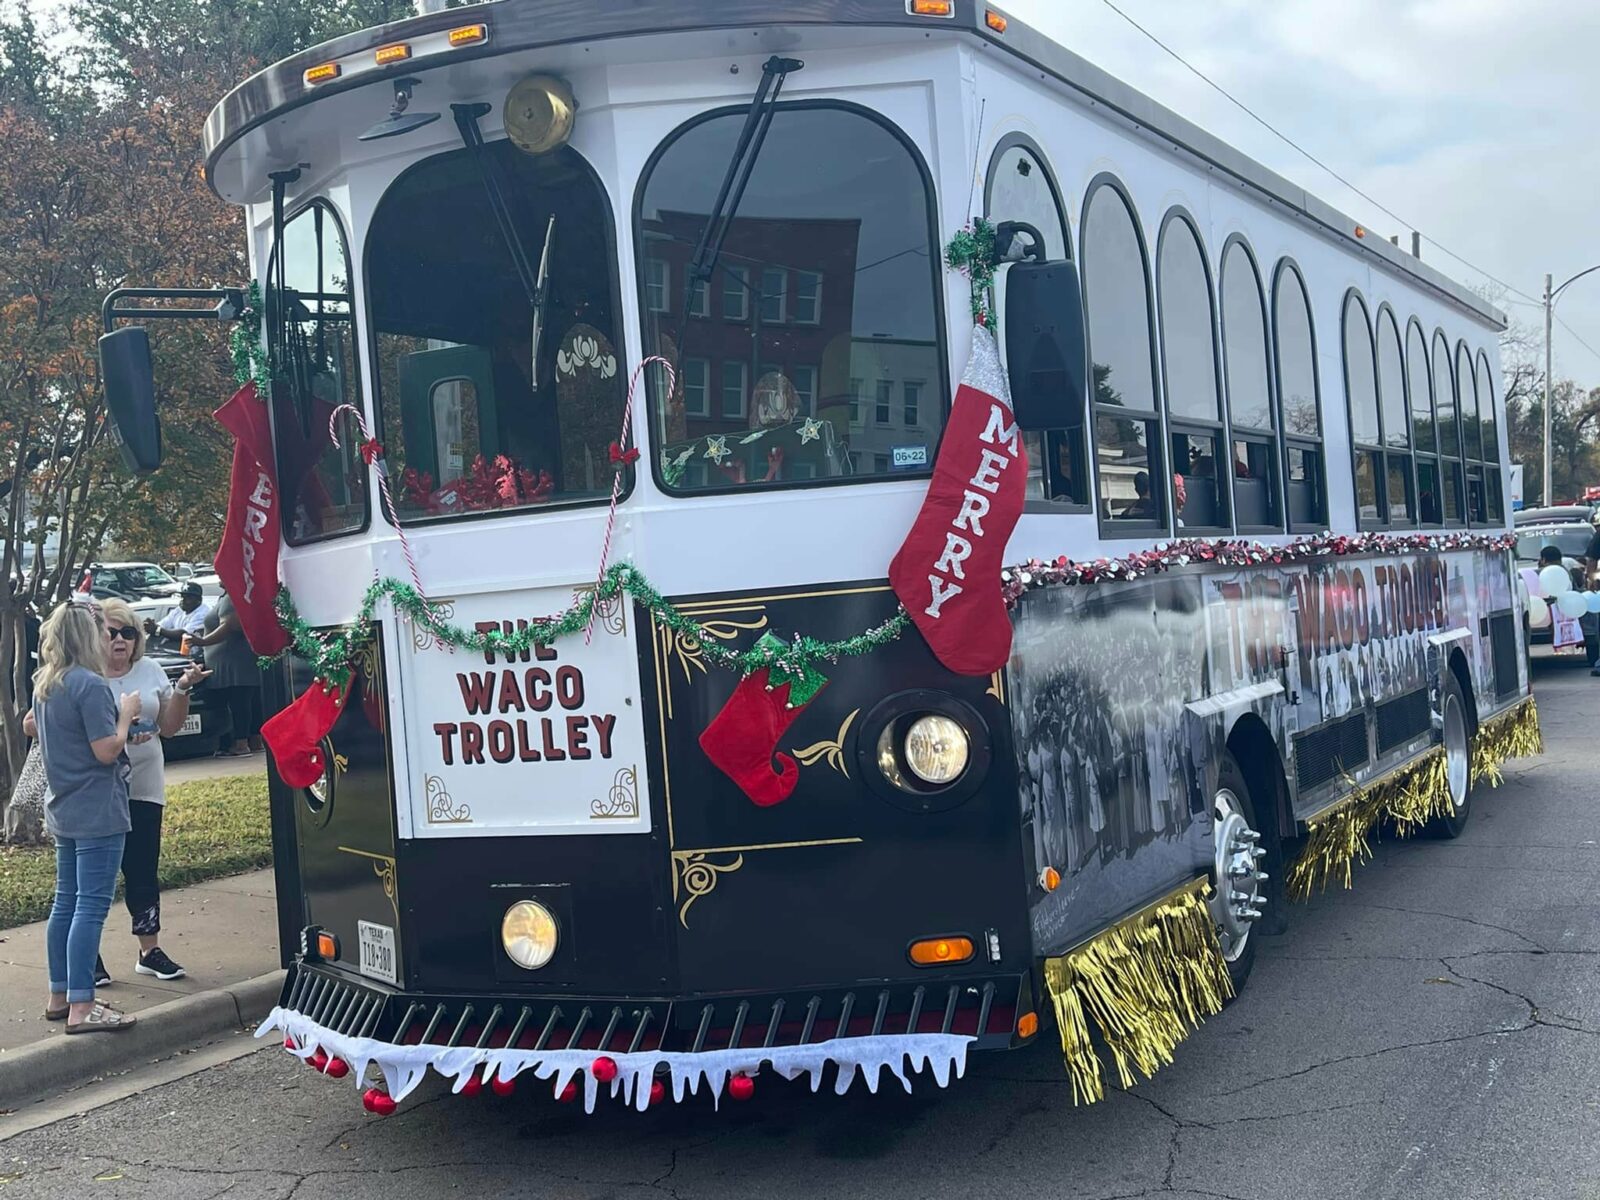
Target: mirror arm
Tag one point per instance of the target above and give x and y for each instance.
(230, 305)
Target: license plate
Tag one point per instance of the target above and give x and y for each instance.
(191, 725)
(377, 952)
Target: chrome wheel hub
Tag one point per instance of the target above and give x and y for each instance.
(1457, 755)
(1238, 882)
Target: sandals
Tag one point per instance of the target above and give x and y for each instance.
(57, 1014)
(102, 1019)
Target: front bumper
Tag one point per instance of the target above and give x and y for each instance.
(684, 1042)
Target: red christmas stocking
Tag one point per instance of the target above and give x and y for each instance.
(947, 572)
(295, 735)
(742, 739)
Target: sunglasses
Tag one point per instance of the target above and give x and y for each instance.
(126, 632)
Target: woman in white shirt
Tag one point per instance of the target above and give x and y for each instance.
(162, 710)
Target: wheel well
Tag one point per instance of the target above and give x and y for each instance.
(1255, 750)
(1458, 667)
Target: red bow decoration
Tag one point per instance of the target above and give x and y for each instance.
(621, 457)
(371, 451)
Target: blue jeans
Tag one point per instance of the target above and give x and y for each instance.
(86, 879)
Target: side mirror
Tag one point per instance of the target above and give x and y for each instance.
(1046, 352)
(130, 384)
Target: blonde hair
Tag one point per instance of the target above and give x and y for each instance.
(70, 637)
(117, 612)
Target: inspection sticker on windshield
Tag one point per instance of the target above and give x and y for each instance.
(906, 457)
(377, 952)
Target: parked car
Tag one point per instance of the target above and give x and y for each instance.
(207, 724)
(1570, 534)
(1559, 514)
(149, 590)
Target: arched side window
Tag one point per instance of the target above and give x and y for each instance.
(1489, 423)
(1361, 400)
(1020, 187)
(1127, 408)
(1451, 481)
(1189, 376)
(1394, 412)
(1471, 437)
(1251, 413)
(1424, 429)
(1295, 351)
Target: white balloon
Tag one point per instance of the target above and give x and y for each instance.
(1591, 601)
(1556, 580)
(1572, 605)
(1538, 612)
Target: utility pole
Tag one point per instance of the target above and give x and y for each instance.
(1549, 306)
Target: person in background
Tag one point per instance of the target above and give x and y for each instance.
(82, 732)
(162, 708)
(236, 679)
(188, 618)
(1549, 556)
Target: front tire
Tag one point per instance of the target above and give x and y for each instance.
(1238, 883)
(1457, 758)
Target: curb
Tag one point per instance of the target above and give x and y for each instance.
(58, 1064)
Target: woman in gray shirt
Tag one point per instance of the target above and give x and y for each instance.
(82, 732)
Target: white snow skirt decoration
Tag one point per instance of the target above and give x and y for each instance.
(403, 1067)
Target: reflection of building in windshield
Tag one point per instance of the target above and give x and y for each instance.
(769, 341)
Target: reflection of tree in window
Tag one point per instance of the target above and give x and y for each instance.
(824, 289)
(449, 308)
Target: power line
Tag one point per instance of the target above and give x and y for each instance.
(1289, 141)
(1578, 339)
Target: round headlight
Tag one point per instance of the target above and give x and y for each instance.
(936, 749)
(529, 934)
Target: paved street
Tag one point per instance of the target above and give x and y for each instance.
(1434, 1033)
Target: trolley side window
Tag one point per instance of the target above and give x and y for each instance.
(1491, 442)
(1295, 341)
(809, 350)
(493, 398)
(324, 490)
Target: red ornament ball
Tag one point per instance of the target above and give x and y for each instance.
(473, 1085)
(383, 1104)
(503, 1087)
(337, 1068)
(658, 1091)
(741, 1087)
(288, 1044)
(604, 1069)
(366, 1099)
(569, 1093)
(319, 1060)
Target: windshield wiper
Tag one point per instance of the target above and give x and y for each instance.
(737, 177)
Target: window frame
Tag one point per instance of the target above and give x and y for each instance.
(1496, 493)
(722, 413)
(1357, 449)
(362, 400)
(937, 288)
(1445, 457)
(614, 258)
(1121, 529)
(1299, 441)
(816, 317)
(665, 305)
(1218, 430)
(705, 389)
(1271, 438)
(782, 296)
(1389, 451)
(727, 275)
(1046, 439)
(1472, 464)
(1419, 454)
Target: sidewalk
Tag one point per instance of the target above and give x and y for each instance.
(224, 932)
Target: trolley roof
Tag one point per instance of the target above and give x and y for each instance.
(519, 25)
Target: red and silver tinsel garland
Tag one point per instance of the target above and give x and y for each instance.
(1235, 552)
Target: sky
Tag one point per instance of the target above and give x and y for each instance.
(1471, 118)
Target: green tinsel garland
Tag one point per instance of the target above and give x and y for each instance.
(244, 344)
(331, 655)
(972, 253)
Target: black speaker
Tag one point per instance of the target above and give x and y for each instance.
(1046, 352)
(129, 379)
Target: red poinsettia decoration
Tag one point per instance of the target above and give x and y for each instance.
(502, 483)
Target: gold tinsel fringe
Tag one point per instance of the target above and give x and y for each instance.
(1146, 983)
(1410, 797)
(1513, 734)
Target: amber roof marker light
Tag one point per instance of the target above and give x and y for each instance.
(931, 8)
(321, 74)
(398, 52)
(995, 21)
(467, 35)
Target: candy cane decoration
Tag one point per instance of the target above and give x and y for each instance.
(372, 455)
(622, 456)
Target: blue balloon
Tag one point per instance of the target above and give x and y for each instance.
(1591, 601)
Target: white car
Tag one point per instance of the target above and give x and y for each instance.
(149, 590)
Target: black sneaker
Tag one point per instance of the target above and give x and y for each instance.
(158, 964)
(101, 975)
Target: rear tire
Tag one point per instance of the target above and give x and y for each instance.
(1239, 884)
(1458, 732)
